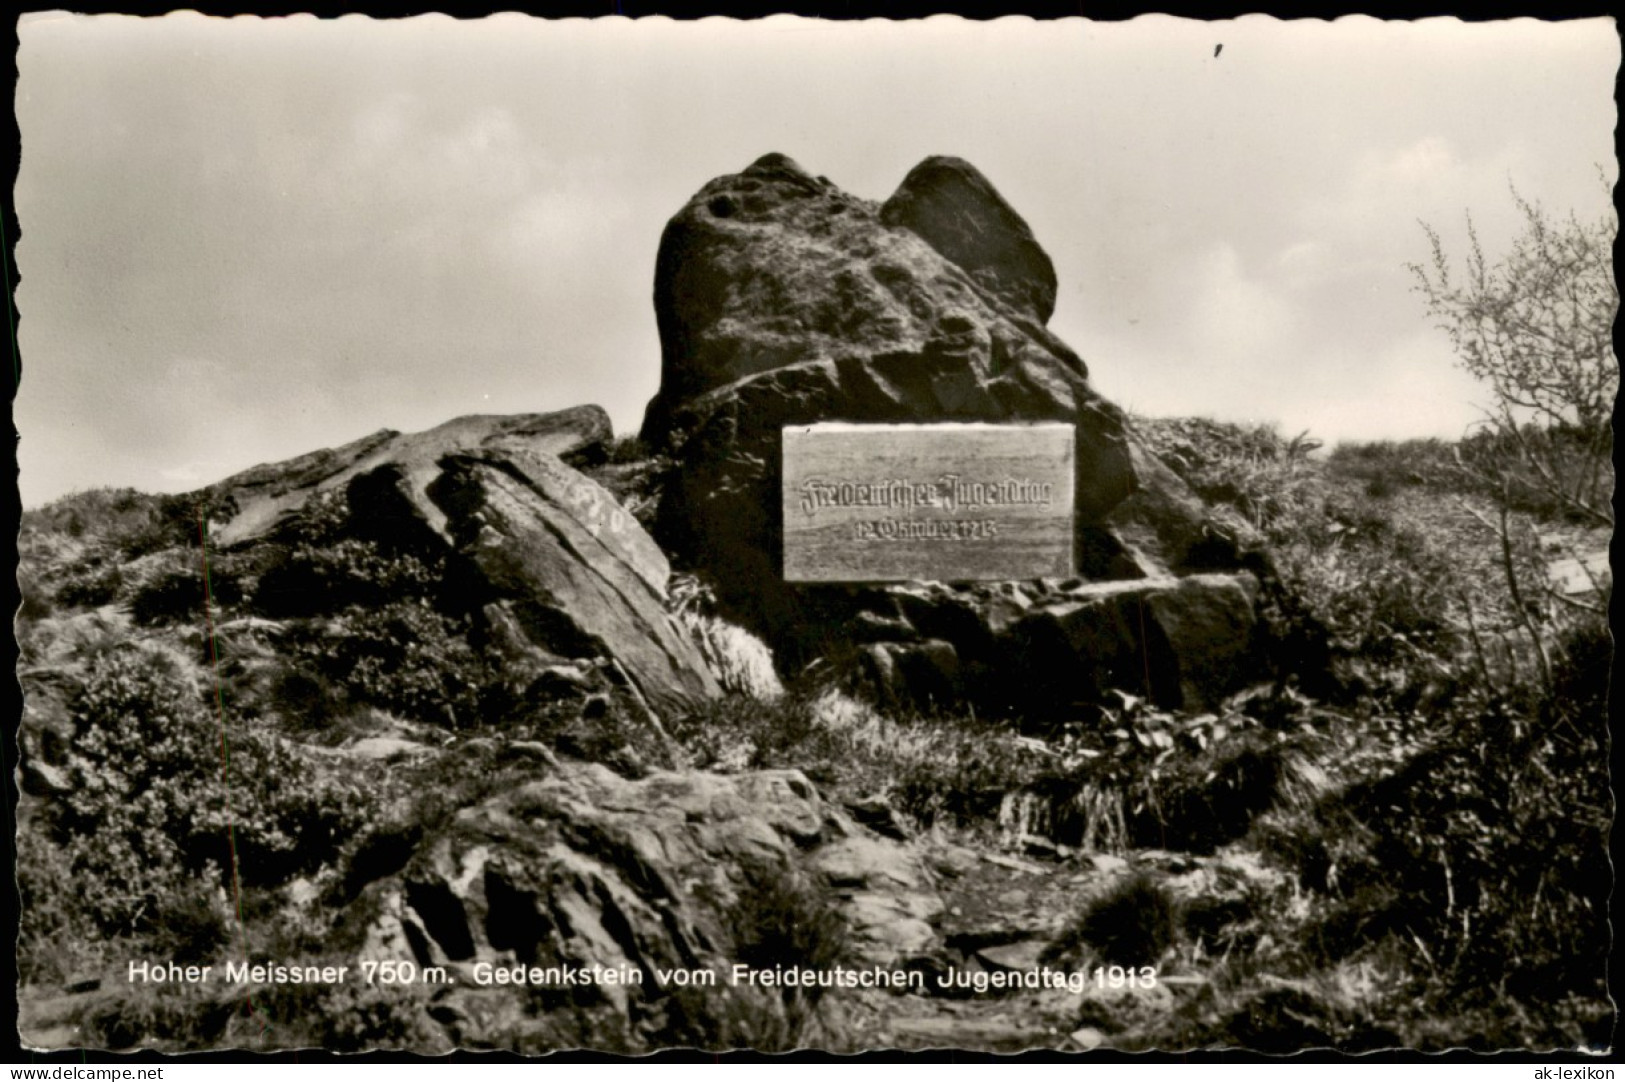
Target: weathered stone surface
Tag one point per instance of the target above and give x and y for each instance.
(1182, 643)
(878, 814)
(586, 868)
(888, 895)
(578, 575)
(267, 496)
(771, 268)
(1037, 648)
(1024, 954)
(913, 675)
(550, 566)
(950, 205)
(385, 748)
(783, 301)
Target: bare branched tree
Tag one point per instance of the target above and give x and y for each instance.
(1537, 328)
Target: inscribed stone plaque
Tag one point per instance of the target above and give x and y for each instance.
(943, 502)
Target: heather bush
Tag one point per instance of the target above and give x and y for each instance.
(321, 578)
(161, 795)
(169, 1018)
(1133, 923)
(1382, 589)
(343, 1018)
(180, 595)
(779, 918)
(95, 514)
(88, 585)
(51, 948)
(405, 657)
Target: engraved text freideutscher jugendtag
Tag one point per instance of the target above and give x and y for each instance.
(950, 502)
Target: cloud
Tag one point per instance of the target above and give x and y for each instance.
(242, 239)
(1241, 321)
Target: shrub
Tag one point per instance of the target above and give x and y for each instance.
(140, 774)
(952, 768)
(305, 700)
(1536, 327)
(89, 585)
(1386, 467)
(102, 513)
(152, 806)
(328, 577)
(172, 521)
(50, 948)
(738, 732)
(132, 524)
(1145, 778)
(1270, 481)
(1133, 923)
(782, 919)
(1482, 840)
(404, 657)
(344, 1018)
(179, 596)
(171, 1017)
(35, 599)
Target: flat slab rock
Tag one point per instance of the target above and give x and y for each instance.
(268, 495)
(574, 572)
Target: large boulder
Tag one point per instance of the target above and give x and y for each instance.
(953, 208)
(1182, 643)
(783, 301)
(1037, 649)
(546, 561)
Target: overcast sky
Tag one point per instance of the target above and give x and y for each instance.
(247, 239)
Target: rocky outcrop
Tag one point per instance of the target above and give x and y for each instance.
(546, 561)
(642, 879)
(1183, 643)
(948, 204)
(772, 269)
(1037, 649)
(567, 568)
(784, 301)
(265, 497)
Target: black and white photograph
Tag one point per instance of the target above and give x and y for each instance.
(631, 534)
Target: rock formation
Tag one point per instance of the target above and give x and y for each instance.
(952, 207)
(584, 868)
(551, 564)
(558, 824)
(782, 300)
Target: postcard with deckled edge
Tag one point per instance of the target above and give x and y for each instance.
(632, 535)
